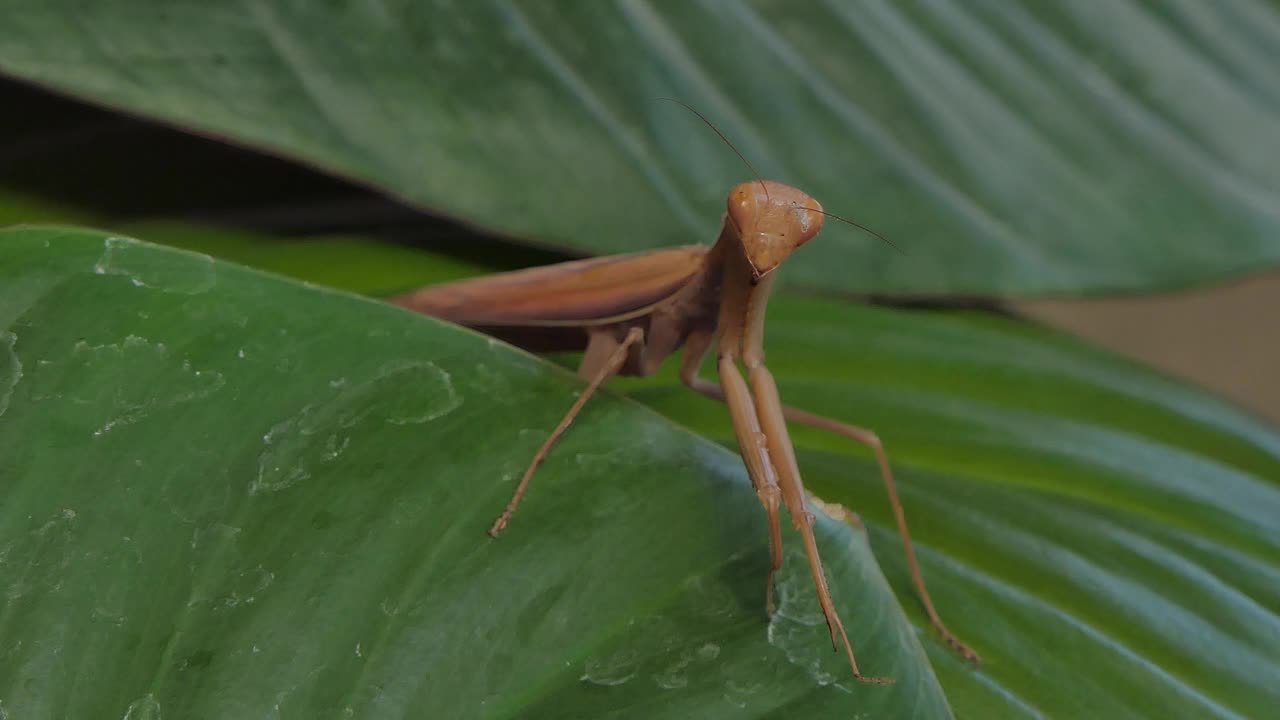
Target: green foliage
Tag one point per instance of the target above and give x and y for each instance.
(1024, 148)
(239, 473)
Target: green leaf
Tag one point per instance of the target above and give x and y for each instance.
(1010, 148)
(223, 493)
(1105, 537)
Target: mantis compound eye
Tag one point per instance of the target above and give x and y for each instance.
(742, 206)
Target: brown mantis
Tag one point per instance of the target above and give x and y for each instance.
(630, 312)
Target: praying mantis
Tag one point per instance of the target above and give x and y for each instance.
(629, 313)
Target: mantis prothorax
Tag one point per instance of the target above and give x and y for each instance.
(630, 312)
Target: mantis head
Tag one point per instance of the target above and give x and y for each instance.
(772, 219)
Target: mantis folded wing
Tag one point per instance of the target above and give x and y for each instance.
(631, 312)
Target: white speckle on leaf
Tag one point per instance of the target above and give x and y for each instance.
(711, 598)
(288, 458)
(144, 708)
(798, 627)
(213, 535)
(153, 381)
(613, 669)
(739, 694)
(422, 375)
(103, 614)
(334, 447)
(147, 267)
(246, 587)
(10, 369)
(286, 443)
(399, 393)
(673, 677)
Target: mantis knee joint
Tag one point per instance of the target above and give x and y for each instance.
(770, 496)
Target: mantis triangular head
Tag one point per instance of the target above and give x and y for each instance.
(772, 220)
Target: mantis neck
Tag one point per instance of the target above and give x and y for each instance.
(743, 299)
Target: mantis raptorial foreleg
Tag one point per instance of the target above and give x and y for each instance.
(769, 408)
(755, 453)
(754, 450)
(603, 359)
(756, 414)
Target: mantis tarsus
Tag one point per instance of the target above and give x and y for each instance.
(630, 312)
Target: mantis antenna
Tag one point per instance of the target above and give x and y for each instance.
(732, 147)
(760, 179)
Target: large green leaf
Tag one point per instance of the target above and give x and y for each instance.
(1009, 147)
(1104, 536)
(227, 495)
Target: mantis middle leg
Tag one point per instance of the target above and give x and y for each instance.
(603, 359)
